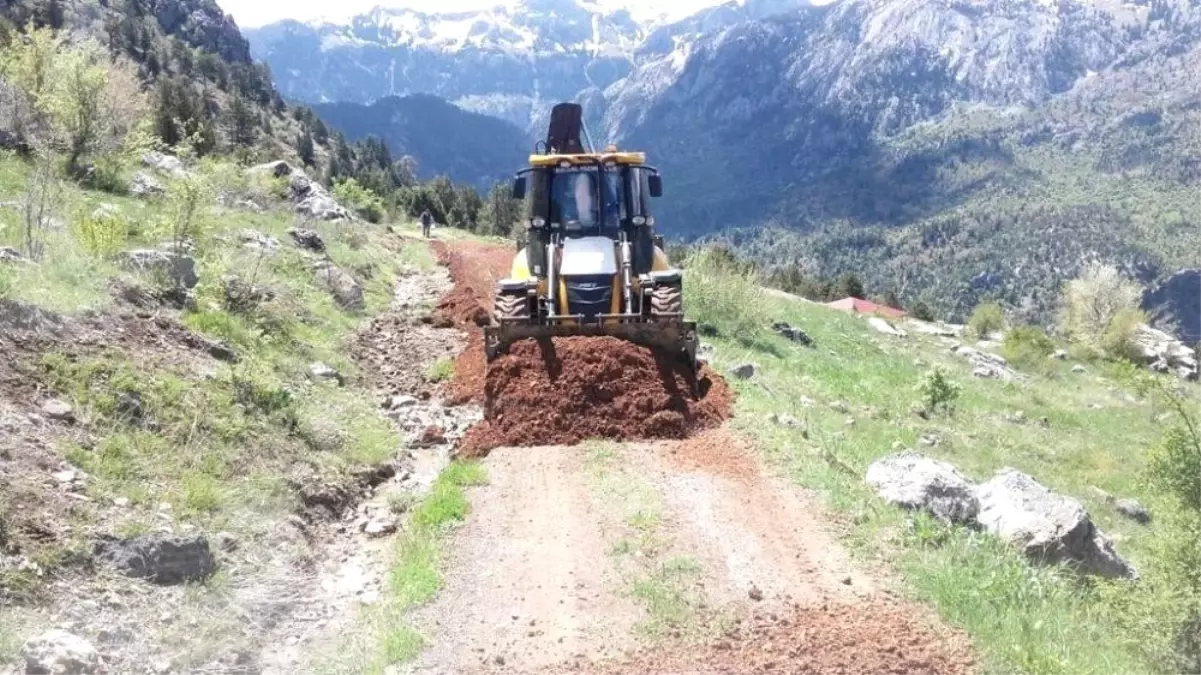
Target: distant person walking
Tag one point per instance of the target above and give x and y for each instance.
(426, 221)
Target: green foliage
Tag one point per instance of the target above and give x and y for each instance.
(364, 202)
(101, 233)
(1099, 310)
(938, 392)
(986, 319)
(921, 311)
(441, 370)
(721, 294)
(1027, 346)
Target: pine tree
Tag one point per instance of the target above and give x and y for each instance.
(242, 121)
(305, 148)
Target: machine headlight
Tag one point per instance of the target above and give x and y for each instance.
(638, 220)
(538, 222)
(565, 164)
(650, 220)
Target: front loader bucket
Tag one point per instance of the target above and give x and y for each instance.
(672, 336)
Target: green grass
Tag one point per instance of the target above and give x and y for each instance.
(387, 637)
(441, 370)
(640, 551)
(1022, 619)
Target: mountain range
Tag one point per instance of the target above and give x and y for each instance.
(951, 150)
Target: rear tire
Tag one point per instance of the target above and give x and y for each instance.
(667, 299)
(511, 306)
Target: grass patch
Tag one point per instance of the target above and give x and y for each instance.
(441, 370)
(670, 596)
(414, 578)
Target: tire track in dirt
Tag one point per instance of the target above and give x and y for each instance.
(527, 586)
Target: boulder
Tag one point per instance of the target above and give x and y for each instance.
(1163, 353)
(253, 239)
(1079, 368)
(346, 290)
(1046, 526)
(278, 168)
(913, 481)
(792, 333)
(743, 371)
(145, 185)
(17, 318)
(168, 164)
(985, 364)
(323, 371)
(179, 269)
(58, 410)
(307, 239)
(882, 326)
(11, 255)
(161, 559)
(1132, 509)
(57, 652)
(1059, 355)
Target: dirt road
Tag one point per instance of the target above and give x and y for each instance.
(665, 556)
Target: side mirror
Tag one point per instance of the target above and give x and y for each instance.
(655, 183)
(519, 188)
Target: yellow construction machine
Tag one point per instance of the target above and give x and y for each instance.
(592, 263)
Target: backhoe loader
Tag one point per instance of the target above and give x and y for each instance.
(592, 263)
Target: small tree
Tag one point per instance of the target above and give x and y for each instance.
(1100, 310)
(847, 285)
(987, 318)
(305, 148)
(937, 391)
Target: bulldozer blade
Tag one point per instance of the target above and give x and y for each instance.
(675, 337)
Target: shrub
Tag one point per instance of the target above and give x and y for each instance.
(938, 392)
(1118, 339)
(987, 318)
(366, 203)
(1027, 346)
(729, 298)
(101, 233)
(1100, 310)
(921, 311)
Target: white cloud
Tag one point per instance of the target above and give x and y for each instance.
(251, 13)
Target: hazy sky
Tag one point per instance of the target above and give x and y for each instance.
(250, 13)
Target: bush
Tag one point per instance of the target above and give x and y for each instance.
(101, 233)
(921, 311)
(366, 203)
(1100, 310)
(938, 392)
(1027, 346)
(722, 294)
(1118, 340)
(987, 318)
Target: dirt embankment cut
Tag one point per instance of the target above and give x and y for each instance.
(567, 390)
(563, 391)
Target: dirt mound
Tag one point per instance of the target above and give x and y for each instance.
(567, 390)
(830, 639)
(475, 269)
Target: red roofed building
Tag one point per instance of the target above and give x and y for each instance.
(859, 306)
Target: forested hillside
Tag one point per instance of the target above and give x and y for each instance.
(443, 139)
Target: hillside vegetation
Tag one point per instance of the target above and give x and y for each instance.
(1096, 430)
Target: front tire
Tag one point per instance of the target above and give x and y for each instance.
(511, 306)
(667, 299)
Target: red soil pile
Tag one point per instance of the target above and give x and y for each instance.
(567, 390)
(475, 269)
